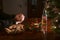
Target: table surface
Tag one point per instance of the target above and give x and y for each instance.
(28, 35)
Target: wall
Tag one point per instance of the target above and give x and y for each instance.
(15, 6)
(0, 4)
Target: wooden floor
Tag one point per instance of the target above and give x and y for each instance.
(29, 36)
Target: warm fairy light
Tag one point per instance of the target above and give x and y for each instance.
(36, 23)
(56, 20)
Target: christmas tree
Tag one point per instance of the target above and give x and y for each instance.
(52, 8)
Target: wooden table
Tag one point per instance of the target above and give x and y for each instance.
(27, 35)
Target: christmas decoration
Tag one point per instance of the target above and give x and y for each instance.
(19, 18)
(52, 8)
(44, 22)
(17, 28)
(33, 24)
